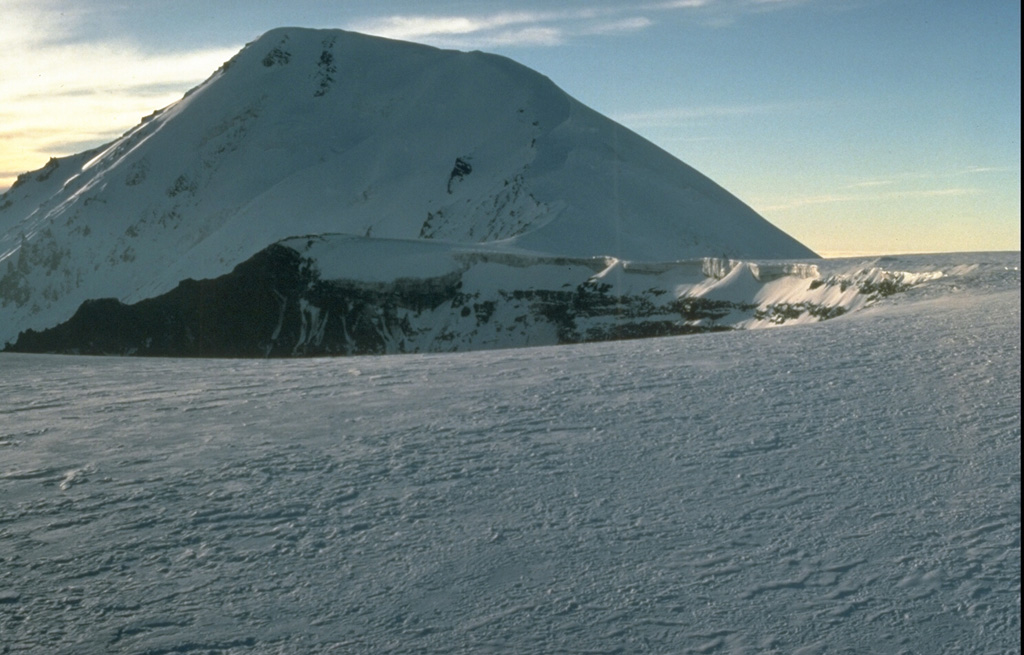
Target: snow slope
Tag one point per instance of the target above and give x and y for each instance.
(317, 131)
(845, 486)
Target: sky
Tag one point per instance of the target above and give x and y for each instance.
(859, 127)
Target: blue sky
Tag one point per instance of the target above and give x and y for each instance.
(859, 127)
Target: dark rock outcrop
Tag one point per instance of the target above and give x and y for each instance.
(276, 305)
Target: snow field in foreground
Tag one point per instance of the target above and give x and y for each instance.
(847, 486)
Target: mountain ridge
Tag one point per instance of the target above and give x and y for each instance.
(345, 295)
(324, 131)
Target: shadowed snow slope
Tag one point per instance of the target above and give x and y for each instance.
(317, 131)
(849, 486)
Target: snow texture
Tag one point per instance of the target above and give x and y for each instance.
(843, 486)
(324, 131)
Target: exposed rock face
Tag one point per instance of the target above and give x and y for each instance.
(235, 315)
(275, 305)
(313, 296)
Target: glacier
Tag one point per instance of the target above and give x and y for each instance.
(851, 485)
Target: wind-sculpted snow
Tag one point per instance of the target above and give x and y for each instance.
(850, 485)
(324, 131)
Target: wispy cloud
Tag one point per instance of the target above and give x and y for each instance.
(972, 170)
(931, 177)
(617, 26)
(523, 28)
(58, 93)
(674, 116)
(910, 186)
(555, 27)
(800, 202)
(678, 4)
(869, 184)
(413, 27)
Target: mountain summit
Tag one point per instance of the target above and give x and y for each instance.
(312, 132)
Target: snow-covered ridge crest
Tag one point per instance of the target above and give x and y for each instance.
(325, 131)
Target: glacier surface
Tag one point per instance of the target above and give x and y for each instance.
(844, 486)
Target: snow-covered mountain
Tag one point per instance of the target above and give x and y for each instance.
(324, 131)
